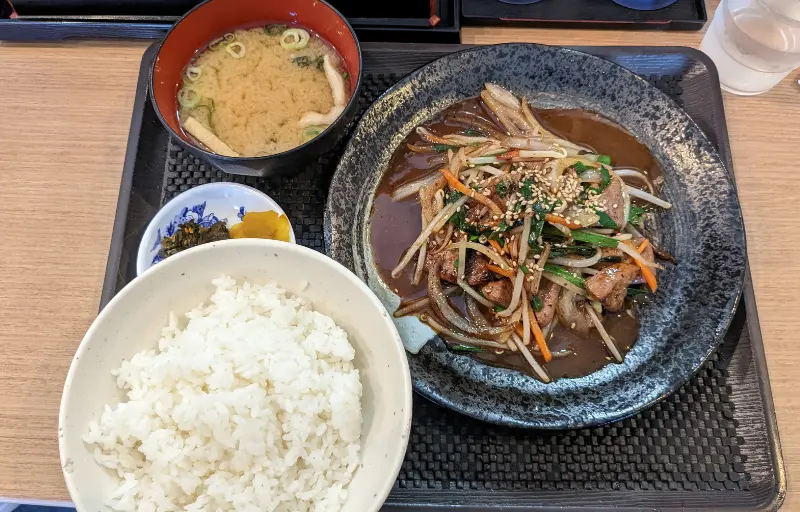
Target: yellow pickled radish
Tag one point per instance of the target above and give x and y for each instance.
(271, 225)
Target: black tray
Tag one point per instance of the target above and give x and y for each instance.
(682, 15)
(49, 20)
(713, 445)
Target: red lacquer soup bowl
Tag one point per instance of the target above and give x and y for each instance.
(212, 19)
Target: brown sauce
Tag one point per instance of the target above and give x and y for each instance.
(395, 226)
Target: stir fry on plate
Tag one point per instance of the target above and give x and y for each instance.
(522, 232)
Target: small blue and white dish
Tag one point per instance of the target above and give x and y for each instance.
(206, 205)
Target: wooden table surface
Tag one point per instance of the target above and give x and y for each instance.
(63, 130)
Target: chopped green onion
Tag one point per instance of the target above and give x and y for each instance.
(536, 233)
(193, 73)
(635, 292)
(441, 148)
(635, 214)
(536, 303)
(604, 159)
(580, 167)
(474, 238)
(188, 97)
(236, 50)
(498, 309)
(302, 61)
(215, 44)
(594, 238)
(525, 269)
(606, 177)
(312, 131)
(294, 39)
(525, 190)
(455, 263)
(501, 189)
(585, 236)
(345, 75)
(605, 221)
(560, 272)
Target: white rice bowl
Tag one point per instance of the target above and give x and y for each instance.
(251, 402)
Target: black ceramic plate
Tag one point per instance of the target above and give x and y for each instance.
(696, 299)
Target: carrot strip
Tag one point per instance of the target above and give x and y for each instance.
(501, 271)
(557, 219)
(649, 276)
(457, 185)
(496, 246)
(539, 337)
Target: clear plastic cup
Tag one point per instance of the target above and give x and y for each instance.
(754, 43)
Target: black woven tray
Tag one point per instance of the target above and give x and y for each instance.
(682, 15)
(713, 445)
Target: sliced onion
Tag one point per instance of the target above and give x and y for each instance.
(450, 333)
(503, 96)
(591, 176)
(449, 314)
(499, 112)
(433, 138)
(560, 281)
(489, 253)
(555, 152)
(515, 295)
(622, 236)
(529, 143)
(547, 329)
(411, 188)
(630, 228)
(475, 313)
(644, 196)
(435, 225)
(579, 263)
(590, 271)
(415, 305)
(526, 232)
(465, 139)
(633, 173)
(536, 128)
(294, 39)
(608, 340)
(537, 368)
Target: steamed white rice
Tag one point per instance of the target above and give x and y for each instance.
(252, 404)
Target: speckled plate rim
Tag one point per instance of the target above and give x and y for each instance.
(567, 403)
